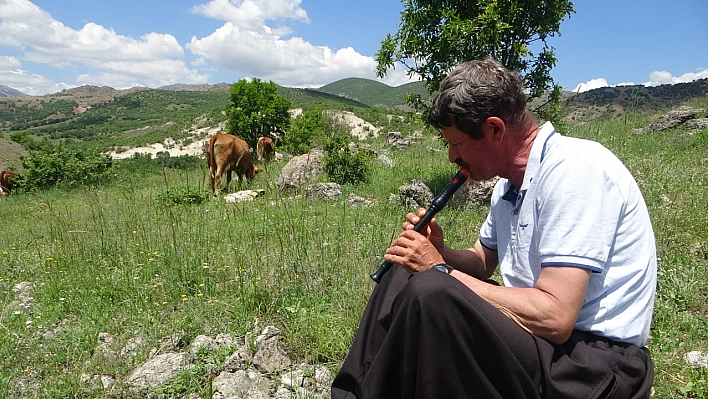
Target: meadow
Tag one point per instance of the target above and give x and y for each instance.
(119, 259)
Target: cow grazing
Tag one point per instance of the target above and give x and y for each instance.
(5, 183)
(228, 153)
(265, 148)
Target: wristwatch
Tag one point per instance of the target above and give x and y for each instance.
(443, 267)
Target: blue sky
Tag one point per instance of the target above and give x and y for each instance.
(50, 45)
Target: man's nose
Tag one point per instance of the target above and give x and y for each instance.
(452, 154)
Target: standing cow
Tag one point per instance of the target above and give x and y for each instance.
(265, 148)
(5, 183)
(228, 153)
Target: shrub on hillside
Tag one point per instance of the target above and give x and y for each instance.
(182, 162)
(341, 164)
(61, 166)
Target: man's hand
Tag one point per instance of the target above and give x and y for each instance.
(433, 231)
(416, 251)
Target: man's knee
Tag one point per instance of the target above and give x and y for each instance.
(428, 287)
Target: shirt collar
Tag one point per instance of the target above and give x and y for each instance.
(538, 151)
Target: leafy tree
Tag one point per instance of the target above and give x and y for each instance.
(436, 35)
(257, 110)
(304, 130)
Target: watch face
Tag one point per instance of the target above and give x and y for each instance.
(443, 268)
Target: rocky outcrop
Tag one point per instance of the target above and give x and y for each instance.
(691, 118)
(257, 368)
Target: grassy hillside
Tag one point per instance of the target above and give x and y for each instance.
(118, 259)
(310, 98)
(10, 153)
(373, 93)
(110, 121)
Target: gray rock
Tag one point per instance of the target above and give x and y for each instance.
(673, 119)
(324, 190)
(415, 194)
(298, 171)
(696, 359)
(159, 370)
(240, 384)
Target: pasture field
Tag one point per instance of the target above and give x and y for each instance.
(117, 259)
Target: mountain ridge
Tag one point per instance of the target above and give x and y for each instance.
(6, 91)
(362, 92)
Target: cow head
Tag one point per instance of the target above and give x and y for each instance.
(254, 172)
(6, 181)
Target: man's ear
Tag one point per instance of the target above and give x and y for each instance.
(496, 127)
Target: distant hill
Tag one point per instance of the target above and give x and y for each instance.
(638, 98)
(373, 93)
(200, 87)
(641, 98)
(314, 98)
(10, 92)
(97, 113)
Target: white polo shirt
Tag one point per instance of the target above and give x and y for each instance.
(579, 206)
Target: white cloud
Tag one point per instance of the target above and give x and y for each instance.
(8, 63)
(122, 75)
(32, 84)
(251, 14)
(663, 77)
(154, 57)
(656, 78)
(591, 84)
(12, 75)
(247, 46)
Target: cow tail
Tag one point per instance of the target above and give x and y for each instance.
(211, 161)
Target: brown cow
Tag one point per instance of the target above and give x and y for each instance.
(265, 148)
(5, 183)
(228, 153)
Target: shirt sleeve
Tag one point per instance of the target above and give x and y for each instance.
(578, 208)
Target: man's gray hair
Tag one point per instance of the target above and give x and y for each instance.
(475, 91)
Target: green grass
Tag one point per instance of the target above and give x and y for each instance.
(120, 260)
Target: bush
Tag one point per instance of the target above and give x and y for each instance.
(304, 130)
(61, 166)
(182, 162)
(342, 165)
(183, 195)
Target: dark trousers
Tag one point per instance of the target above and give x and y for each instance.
(428, 336)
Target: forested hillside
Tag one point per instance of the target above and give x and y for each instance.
(102, 117)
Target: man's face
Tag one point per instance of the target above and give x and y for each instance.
(476, 155)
